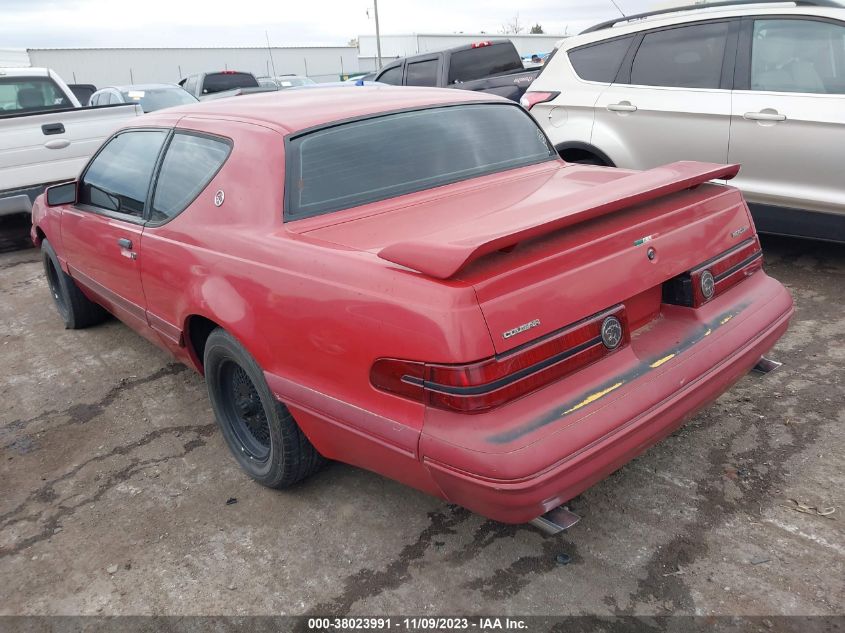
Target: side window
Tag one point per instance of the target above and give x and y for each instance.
(119, 177)
(391, 76)
(113, 99)
(191, 84)
(95, 100)
(422, 73)
(798, 56)
(685, 57)
(600, 62)
(189, 165)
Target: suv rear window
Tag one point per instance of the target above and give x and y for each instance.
(600, 62)
(30, 94)
(478, 63)
(227, 80)
(389, 155)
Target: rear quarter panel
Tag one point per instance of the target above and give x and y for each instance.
(314, 315)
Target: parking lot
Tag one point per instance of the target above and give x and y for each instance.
(120, 497)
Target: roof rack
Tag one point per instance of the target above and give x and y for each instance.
(707, 5)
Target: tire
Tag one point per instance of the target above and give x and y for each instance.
(260, 431)
(77, 310)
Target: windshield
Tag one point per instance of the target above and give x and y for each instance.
(158, 98)
(30, 94)
(363, 161)
(227, 80)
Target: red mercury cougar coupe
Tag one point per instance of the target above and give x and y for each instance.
(411, 280)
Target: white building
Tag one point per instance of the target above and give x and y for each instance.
(13, 58)
(116, 66)
(394, 46)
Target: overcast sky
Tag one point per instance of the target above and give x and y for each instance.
(69, 23)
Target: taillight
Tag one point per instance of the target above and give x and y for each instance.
(482, 385)
(529, 99)
(709, 279)
(481, 44)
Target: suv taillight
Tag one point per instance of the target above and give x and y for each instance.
(529, 99)
(485, 384)
(711, 278)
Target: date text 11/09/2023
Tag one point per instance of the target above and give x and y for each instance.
(426, 623)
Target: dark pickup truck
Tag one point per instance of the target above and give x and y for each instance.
(492, 66)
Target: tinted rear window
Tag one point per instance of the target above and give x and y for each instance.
(600, 62)
(477, 63)
(218, 82)
(386, 156)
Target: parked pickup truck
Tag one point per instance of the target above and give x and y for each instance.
(492, 66)
(47, 136)
(209, 85)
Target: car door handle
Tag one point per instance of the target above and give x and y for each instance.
(622, 106)
(764, 116)
(52, 128)
(57, 143)
(124, 242)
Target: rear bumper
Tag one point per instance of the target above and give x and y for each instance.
(517, 462)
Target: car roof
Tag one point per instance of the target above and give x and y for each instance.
(127, 87)
(294, 110)
(24, 72)
(699, 14)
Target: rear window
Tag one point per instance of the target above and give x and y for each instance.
(157, 98)
(600, 62)
(382, 157)
(227, 80)
(477, 63)
(30, 94)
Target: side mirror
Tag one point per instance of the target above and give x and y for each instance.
(64, 193)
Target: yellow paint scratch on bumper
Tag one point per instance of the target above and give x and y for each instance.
(593, 397)
(659, 362)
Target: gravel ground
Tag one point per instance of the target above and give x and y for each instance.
(114, 484)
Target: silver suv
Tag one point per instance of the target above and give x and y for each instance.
(762, 85)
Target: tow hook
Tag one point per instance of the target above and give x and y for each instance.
(556, 521)
(765, 365)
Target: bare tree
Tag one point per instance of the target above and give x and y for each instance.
(353, 42)
(512, 26)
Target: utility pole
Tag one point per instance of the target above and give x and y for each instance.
(378, 35)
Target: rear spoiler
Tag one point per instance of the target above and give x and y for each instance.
(442, 255)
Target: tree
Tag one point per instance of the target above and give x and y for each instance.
(353, 42)
(536, 29)
(512, 26)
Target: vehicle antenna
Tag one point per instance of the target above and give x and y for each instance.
(622, 13)
(270, 52)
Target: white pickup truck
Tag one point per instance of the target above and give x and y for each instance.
(45, 135)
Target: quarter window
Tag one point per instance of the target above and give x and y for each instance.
(119, 177)
(685, 57)
(391, 76)
(600, 62)
(798, 56)
(189, 165)
(422, 73)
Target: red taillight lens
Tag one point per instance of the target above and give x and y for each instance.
(479, 386)
(708, 280)
(530, 99)
(481, 44)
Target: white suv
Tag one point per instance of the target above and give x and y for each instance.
(762, 85)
